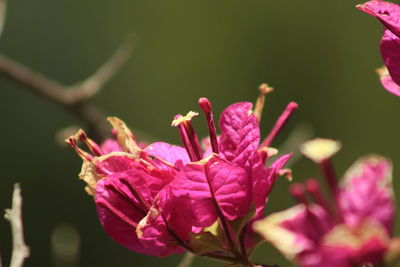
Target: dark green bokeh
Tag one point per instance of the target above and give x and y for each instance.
(320, 54)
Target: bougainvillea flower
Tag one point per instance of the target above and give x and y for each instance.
(389, 15)
(163, 198)
(354, 230)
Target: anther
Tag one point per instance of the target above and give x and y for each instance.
(314, 188)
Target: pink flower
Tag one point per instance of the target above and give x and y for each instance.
(354, 230)
(389, 15)
(164, 198)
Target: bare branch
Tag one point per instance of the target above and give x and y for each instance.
(94, 83)
(3, 15)
(32, 80)
(67, 95)
(20, 250)
(73, 98)
(187, 260)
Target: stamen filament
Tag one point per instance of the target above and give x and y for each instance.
(188, 135)
(298, 192)
(205, 105)
(122, 195)
(83, 154)
(119, 215)
(194, 140)
(280, 123)
(136, 193)
(314, 188)
(95, 148)
(264, 89)
(330, 175)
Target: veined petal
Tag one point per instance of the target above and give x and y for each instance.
(390, 50)
(240, 135)
(124, 197)
(119, 214)
(366, 192)
(210, 185)
(388, 13)
(153, 234)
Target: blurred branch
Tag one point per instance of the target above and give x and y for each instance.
(187, 260)
(74, 98)
(300, 134)
(20, 250)
(3, 15)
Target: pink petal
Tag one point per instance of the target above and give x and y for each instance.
(153, 234)
(167, 152)
(388, 83)
(390, 50)
(263, 181)
(110, 145)
(367, 192)
(124, 196)
(240, 134)
(198, 185)
(387, 12)
(147, 181)
(116, 225)
(297, 233)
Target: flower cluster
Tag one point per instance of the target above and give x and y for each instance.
(208, 197)
(163, 199)
(355, 229)
(389, 15)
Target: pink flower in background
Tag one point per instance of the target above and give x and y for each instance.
(389, 15)
(162, 199)
(355, 229)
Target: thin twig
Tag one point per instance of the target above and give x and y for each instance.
(3, 15)
(187, 260)
(90, 87)
(20, 250)
(73, 98)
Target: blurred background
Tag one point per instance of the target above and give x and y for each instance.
(320, 54)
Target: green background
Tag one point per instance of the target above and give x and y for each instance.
(321, 54)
